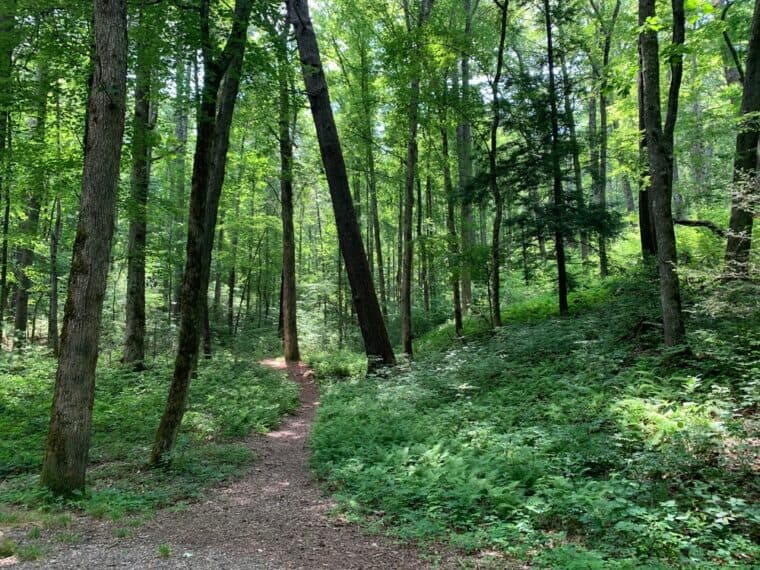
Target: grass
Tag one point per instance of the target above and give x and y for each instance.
(230, 398)
(571, 443)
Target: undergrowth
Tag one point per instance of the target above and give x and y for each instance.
(229, 398)
(572, 443)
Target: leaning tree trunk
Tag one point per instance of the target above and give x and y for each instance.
(65, 461)
(558, 196)
(744, 202)
(660, 148)
(200, 228)
(374, 333)
(288, 291)
(134, 343)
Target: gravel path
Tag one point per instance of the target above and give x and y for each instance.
(274, 518)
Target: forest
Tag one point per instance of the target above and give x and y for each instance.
(380, 284)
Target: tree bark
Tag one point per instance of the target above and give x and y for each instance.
(206, 183)
(288, 293)
(134, 344)
(411, 172)
(580, 198)
(65, 461)
(493, 183)
(55, 240)
(660, 149)
(368, 117)
(376, 342)
(744, 199)
(557, 193)
(647, 232)
(7, 44)
(32, 214)
(453, 242)
(464, 153)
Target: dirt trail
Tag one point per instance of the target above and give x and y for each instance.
(274, 518)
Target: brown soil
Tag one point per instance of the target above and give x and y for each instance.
(274, 518)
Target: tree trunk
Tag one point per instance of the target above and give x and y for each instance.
(376, 342)
(558, 197)
(411, 173)
(660, 149)
(55, 240)
(744, 198)
(68, 439)
(134, 345)
(7, 44)
(207, 178)
(288, 294)
(492, 173)
(647, 232)
(580, 198)
(464, 153)
(32, 217)
(453, 242)
(181, 112)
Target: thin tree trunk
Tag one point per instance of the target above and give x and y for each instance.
(411, 172)
(65, 461)
(7, 43)
(464, 153)
(453, 242)
(181, 112)
(55, 239)
(288, 291)
(134, 345)
(376, 342)
(744, 197)
(31, 222)
(202, 211)
(660, 148)
(492, 172)
(558, 197)
(580, 198)
(647, 232)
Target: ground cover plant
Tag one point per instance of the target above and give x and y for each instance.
(230, 398)
(575, 443)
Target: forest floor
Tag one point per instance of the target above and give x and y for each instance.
(274, 517)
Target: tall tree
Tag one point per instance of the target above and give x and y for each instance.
(134, 344)
(210, 144)
(557, 192)
(647, 233)
(660, 151)
(288, 290)
(34, 195)
(7, 44)
(425, 7)
(493, 183)
(744, 200)
(464, 153)
(65, 461)
(374, 333)
(602, 75)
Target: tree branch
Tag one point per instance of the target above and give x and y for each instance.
(716, 229)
